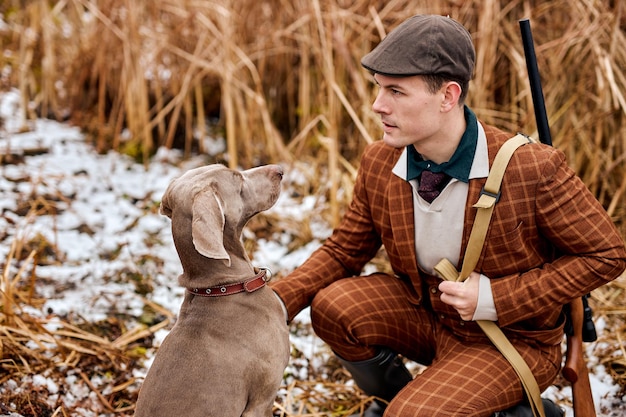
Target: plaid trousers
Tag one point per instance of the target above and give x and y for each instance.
(466, 375)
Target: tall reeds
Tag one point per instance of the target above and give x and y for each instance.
(282, 80)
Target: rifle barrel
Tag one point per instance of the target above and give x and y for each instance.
(541, 116)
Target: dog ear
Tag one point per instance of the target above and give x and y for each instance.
(207, 226)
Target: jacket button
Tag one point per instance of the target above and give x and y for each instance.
(433, 290)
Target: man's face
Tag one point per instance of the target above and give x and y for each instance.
(409, 112)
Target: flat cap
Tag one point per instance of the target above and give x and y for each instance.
(424, 45)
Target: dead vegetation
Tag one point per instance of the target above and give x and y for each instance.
(281, 81)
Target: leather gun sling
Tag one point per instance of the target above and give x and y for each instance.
(488, 198)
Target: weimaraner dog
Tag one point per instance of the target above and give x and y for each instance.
(227, 352)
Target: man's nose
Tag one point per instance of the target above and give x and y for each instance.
(379, 104)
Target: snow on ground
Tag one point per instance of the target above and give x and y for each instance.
(106, 217)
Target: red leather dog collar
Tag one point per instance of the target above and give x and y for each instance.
(251, 285)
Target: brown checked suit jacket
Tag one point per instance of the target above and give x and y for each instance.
(549, 241)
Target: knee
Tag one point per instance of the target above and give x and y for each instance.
(336, 320)
(348, 320)
(325, 311)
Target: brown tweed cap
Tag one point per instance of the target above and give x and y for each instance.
(424, 45)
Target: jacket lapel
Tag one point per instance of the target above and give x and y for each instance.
(403, 222)
(475, 187)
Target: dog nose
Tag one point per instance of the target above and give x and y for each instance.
(279, 171)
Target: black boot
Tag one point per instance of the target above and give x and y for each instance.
(524, 410)
(383, 376)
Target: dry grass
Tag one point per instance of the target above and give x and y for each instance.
(608, 304)
(68, 350)
(281, 80)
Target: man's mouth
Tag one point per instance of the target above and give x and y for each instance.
(387, 126)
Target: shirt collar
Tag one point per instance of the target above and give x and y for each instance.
(459, 165)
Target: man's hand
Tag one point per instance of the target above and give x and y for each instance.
(463, 296)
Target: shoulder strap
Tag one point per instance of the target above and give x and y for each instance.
(489, 196)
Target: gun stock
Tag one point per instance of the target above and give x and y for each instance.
(575, 368)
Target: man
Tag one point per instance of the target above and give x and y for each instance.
(549, 242)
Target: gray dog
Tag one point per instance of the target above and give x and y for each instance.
(227, 352)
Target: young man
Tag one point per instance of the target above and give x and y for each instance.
(549, 242)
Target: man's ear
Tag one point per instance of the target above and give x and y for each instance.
(207, 226)
(452, 92)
